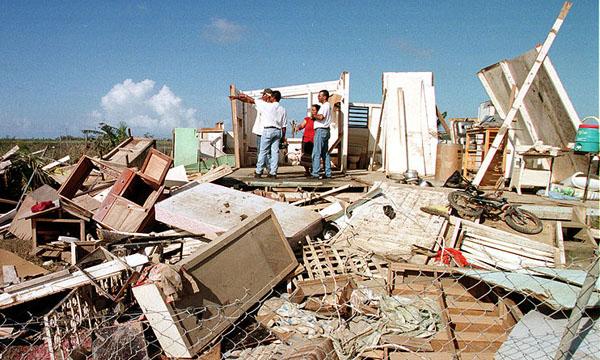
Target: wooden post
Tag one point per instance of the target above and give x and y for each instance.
(372, 159)
(522, 92)
(237, 133)
(443, 121)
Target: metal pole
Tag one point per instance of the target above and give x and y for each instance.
(587, 174)
(571, 330)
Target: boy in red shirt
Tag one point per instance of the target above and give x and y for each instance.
(307, 138)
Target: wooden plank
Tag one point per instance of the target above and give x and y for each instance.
(321, 195)
(506, 236)
(521, 94)
(237, 129)
(376, 145)
(234, 272)
(521, 251)
(164, 320)
(58, 282)
(9, 153)
(560, 244)
(410, 343)
(77, 177)
(441, 119)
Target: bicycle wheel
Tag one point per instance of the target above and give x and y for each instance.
(523, 221)
(461, 202)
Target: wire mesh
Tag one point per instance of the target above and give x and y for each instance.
(349, 308)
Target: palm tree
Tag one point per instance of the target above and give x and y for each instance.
(107, 137)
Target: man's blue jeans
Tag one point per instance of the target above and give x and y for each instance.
(320, 151)
(269, 143)
(267, 161)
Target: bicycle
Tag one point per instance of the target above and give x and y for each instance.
(474, 203)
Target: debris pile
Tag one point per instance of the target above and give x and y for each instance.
(139, 255)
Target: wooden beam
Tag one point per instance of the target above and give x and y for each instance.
(321, 195)
(440, 117)
(521, 93)
(237, 141)
(372, 159)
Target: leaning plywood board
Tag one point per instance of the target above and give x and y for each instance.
(547, 113)
(233, 273)
(213, 209)
(409, 122)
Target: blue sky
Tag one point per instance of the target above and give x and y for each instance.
(65, 66)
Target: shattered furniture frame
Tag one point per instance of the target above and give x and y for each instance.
(243, 117)
(130, 204)
(131, 152)
(77, 190)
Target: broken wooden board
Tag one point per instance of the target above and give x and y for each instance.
(491, 248)
(322, 261)
(213, 209)
(25, 269)
(547, 113)
(370, 230)
(233, 273)
(64, 280)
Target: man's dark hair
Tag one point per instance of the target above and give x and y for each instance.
(317, 106)
(326, 93)
(277, 95)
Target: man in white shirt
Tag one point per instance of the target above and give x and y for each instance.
(257, 128)
(272, 119)
(322, 134)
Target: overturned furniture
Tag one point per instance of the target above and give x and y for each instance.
(227, 277)
(130, 204)
(211, 209)
(131, 152)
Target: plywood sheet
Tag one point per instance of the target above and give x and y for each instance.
(409, 123)
(234, 272)
(549, 110)
(213, 209)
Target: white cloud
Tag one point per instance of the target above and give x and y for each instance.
(222, 31)
(144, 109)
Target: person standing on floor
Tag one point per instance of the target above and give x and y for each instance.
(257, 128)
(271, 134)
(321, 140)
(308, 138)
(282, 121)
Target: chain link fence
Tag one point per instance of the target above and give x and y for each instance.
(340, 307)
